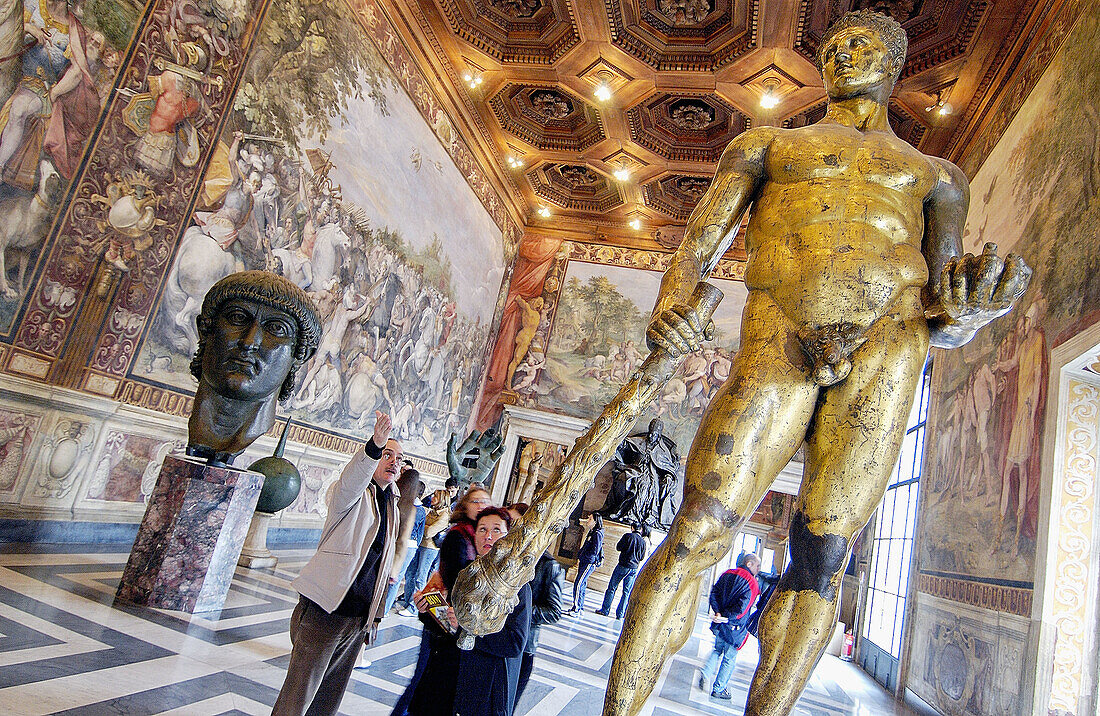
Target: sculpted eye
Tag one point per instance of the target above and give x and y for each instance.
(279, 328)
(236, 316)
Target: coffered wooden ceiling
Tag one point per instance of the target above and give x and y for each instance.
(686, 76)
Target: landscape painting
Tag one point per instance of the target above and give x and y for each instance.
(327, 173)
(982, 492)
(598, 340)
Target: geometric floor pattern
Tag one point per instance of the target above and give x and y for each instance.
(65, 649)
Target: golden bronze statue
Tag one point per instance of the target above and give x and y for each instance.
(255, 330)
(853, 270)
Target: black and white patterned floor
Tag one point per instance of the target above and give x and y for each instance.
(64, 649)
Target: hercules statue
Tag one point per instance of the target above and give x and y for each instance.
(854, 269)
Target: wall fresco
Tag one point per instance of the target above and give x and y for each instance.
(293, 189)
(58, 62)
(1038, 194)
(596, 339)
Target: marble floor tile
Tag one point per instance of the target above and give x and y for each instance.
(66, 648)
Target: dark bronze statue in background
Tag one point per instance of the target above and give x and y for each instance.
(854, 269)
(255, 330)
(646, 480)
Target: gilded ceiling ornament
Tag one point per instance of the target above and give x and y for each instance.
(517, 9)
(691, 115)
(693, 187)
(685, 13)
(551, 104)
(578, 175)
(900, 10)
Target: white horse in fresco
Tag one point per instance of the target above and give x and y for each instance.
(200, 263)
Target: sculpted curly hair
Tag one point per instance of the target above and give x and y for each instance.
(271, 290)
(890, 30)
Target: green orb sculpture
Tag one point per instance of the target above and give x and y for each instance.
(282, 481)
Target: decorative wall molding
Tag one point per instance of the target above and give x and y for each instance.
(641, 259)
(1073, 505)
(1010, 600)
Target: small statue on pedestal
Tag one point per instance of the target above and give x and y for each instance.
(647, 480)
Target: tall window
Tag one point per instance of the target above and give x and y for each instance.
(893, 540)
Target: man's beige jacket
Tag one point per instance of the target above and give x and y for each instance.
(349, 530)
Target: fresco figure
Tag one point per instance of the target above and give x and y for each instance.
(55, 104)
(336, 328)
(530, 315)
(834, 338)
(168, 133)
(204, 257)
(977, 405)
(24, 221)
(255, 330)
(1028, 358)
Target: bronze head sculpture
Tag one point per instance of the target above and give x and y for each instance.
(255, 330)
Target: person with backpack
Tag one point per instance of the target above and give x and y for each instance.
(632, 551)
(590, 557)
(731, 600)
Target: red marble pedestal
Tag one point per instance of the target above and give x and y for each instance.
(191, 536)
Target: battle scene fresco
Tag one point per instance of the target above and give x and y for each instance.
(327, 173)
(58, 61)
(1038, 194)
(597, 340)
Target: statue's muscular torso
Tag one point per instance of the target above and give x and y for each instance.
(837, 222)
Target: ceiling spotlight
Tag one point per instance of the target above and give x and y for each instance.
(941, 106)
(622, 173)
(544, 212)
(514, 162)
(603, 92)
(635, 224)
(473, 80)
(770, 98)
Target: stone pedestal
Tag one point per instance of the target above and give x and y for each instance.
(255, 554)
(191, 536)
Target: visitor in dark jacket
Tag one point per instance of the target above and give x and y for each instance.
(590, 557)
(547, 600)
(432, 687)
(632, 549)
(731, 601)
(488, 674)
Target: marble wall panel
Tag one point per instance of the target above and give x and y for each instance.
(19, 426)
(967, 661)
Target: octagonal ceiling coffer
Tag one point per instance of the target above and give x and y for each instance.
(574, 186)
(685, 128)
(548, 118)
(937, 31)
(684, 35)
(535, 32)
(675, 195)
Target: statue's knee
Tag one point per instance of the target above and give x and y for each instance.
(815, 560)
(706, 522)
